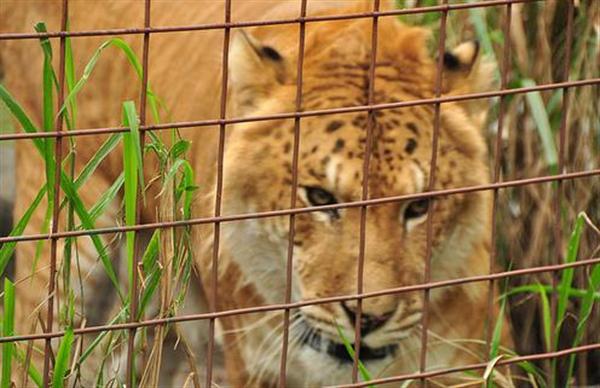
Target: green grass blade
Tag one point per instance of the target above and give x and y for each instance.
(495, 341)
(546, 317)
(70, 80)
(106, 148)
(566, 283)
(62, 359)
(32, 371)
(109, 195)
(364, 372)
(585, 310)
(132, 121)
(87, 71)
(87, 222)
(567, 275)
(152, 268)
(571, 292)
(130, 167)
(8, 330)
(98, 339)
(8, 248)
(65, 182)
(19, 113)
(542, 123)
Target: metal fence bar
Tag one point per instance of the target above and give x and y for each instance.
(213, 297)
(58, 152)
(504, 70)
(130, 374)
(293, 197)
(293, 305)
(311, 113)
(558, 197)
(220, 26)
(365, 192)
(430, 186)
(284, 212)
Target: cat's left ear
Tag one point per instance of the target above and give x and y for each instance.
(466, 72)
(255, 70)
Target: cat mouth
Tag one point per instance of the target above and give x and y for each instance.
(337, 350)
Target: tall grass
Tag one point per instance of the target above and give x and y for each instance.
(175, 171)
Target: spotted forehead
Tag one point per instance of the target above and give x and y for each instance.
(333, 150)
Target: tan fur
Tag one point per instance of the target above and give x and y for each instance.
(257, 177)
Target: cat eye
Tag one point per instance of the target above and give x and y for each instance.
(317, 196)
(416, 208)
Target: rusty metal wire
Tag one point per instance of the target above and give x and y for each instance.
(58, 152)
(293, 197)
(430, 185)
(134, 292)
(218, 197)
(282, 306)
(221, 26)
(285, 212)
(217, 219)
(464, 368)
(310, 113)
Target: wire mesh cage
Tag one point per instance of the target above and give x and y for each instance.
(300, 193)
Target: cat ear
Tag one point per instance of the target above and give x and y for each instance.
(465, 72)
(255, 70)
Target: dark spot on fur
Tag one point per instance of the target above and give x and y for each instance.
(287, 147)
(339, 144)
(350, 154)
(298, 243)
(412, 127)
(359, 120)
(325, 160)
(410, 146)
(314, 149)
(334, 126)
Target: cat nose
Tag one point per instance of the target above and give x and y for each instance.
(368, 322)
